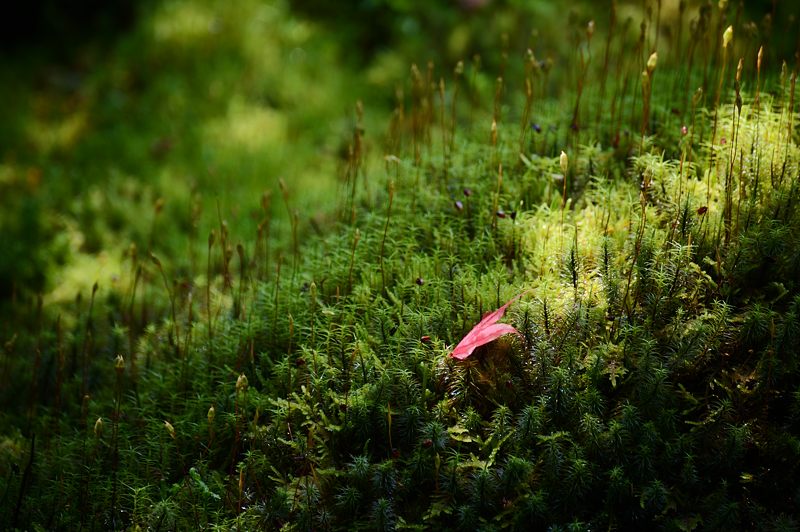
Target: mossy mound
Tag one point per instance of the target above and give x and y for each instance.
(304, 380)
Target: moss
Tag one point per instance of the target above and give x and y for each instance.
(295, 375)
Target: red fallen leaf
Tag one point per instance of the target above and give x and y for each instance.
(485, 331)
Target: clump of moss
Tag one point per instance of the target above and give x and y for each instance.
(306, 383)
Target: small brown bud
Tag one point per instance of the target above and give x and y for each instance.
(241, 383)
(119, 364)
(727, 37)
(652, 61)
(564, 162)
(698, 95)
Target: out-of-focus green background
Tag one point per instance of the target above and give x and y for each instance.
(145, 123)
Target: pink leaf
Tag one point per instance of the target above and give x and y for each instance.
(484, 332)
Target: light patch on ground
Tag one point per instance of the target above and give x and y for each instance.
(181, 23)
(59, 134)
(83, 270)
(247, 127)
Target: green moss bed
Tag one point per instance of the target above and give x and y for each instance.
(293, 372)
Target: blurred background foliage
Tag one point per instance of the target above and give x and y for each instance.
(171, 110)
(145, 123)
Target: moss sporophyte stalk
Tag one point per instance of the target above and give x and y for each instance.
(531, 268)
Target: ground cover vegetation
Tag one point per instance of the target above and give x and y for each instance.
(188, 353)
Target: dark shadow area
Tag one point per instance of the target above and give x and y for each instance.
(59, 27)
